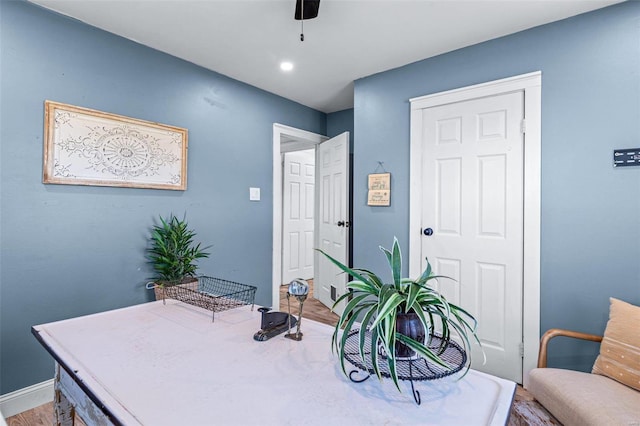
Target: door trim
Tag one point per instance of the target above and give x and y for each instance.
(298, 140)
(531, 85)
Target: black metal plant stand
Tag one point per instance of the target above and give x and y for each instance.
(411, 369)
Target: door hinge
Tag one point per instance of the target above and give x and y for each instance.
(521, 349)
(523, 126)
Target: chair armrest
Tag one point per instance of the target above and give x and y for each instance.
(551, 333)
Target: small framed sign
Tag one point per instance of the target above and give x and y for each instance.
(379, 189)
(626, 157)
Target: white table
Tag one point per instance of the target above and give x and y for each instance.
(155, 364)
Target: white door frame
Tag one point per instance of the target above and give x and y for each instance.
(285, 139)
(531, 84)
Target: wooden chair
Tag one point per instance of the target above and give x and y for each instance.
(554, 332)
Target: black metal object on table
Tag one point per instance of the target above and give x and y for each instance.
(412, 369)
(273, 323)
(212, 294)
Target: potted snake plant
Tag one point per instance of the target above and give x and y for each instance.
(173, 253)
(401, 317)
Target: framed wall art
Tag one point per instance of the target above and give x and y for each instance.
(379, 189)
(88, 147)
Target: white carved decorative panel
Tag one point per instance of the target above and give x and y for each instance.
(326, 158)
(491, 289)
(309, 170)
(326, 186)
(337, 197)
(294, 243)
(449, 181)
(308, 254)
(492, 125)
(450, 288)
(492, 195)
(88, 147)
(337, 158)
(294, 209)
(308, 200)
(295, 169)
(449, 131)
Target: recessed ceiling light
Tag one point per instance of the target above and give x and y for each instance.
(286, 66)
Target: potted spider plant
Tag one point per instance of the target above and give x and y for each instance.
(173, 253)
(401, 317)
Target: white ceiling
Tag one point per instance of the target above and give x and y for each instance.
(350, 39)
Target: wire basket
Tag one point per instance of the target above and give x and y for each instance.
(213, 294)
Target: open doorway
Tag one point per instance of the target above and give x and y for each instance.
(330, 187)
(288, 140)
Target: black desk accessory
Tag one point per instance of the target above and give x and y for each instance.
(273, 323)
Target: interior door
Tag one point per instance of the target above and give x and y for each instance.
(297, 215)
(333, 218)
(472, 218)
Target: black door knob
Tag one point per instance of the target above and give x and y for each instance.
(341, 223)
(428, 232)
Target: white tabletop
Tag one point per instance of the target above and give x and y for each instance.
(156, 364)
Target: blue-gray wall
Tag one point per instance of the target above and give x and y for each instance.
(73, 250)
(590, 246)
(340, 122)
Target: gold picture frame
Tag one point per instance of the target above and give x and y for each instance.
(83, 146)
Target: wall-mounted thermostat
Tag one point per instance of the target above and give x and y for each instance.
(626, 157)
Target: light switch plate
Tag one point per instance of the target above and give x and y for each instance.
(254, 194)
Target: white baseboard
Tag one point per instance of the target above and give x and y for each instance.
(26, 398)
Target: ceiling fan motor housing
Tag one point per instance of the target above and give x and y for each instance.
(310, 8)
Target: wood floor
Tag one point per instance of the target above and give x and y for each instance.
(525, 411)
(42, 415)
(312, 308)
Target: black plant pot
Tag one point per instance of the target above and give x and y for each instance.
(411, 326)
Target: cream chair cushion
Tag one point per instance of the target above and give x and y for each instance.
(582, 399)
(619, 357)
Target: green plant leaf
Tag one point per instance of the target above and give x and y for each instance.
(173, 253)
(389, 339)
(364, 326)
(345, 335)
(389, 308)
(426, 274)
(374, 352)
(396, 262)
(412, 297)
